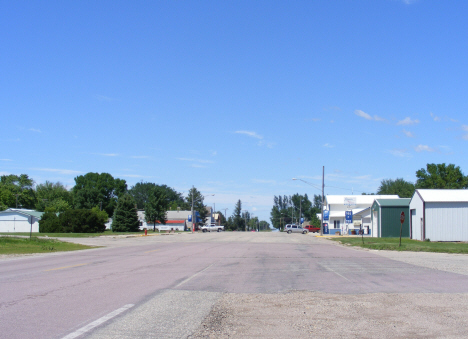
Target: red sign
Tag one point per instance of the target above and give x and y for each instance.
(402, 217)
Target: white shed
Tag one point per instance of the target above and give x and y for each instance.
(18, 220)
(439, 215)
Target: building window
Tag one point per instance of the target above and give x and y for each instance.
(336, 223)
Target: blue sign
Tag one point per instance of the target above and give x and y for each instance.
(325, 228)
(302, 220)
(349, 217)
(326, 215)
(190, 218)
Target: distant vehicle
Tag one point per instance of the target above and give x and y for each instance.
(290, 228)
(212, 228)
(312, 228)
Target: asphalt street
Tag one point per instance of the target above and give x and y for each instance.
(163, 286)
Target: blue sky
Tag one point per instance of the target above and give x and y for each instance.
(234, 97)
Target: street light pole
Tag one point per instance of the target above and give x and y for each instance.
(323, 200)
(193, 216)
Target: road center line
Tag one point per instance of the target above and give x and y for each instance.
(153, 251)
(98, 322)
(332, 270)
(62, 268)
(193, 276)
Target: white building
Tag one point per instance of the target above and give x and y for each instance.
(439, 215)
(335, 207)
(19, 220)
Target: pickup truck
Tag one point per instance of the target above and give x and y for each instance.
(312, 228)
(212, 228)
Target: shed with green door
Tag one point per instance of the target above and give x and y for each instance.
(385, 217)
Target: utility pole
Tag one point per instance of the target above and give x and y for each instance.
(193, 217)
(323, 200)
(17, 199)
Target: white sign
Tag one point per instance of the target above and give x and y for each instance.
(350, 202)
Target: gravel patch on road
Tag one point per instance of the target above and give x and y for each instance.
(303, 314)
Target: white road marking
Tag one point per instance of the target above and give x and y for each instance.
(193, 276)
(98, 322)
(328, 268)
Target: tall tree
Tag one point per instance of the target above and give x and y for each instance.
(236, 222)
(281, 211)
(198, 205)
(92, 189)
(404, 189)
(125, 217)
(156, 207)
(53, 196)
(17, 189)
(141, 192)
(441, 176)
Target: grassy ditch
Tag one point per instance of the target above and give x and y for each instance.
(406, 245)
(13, 245)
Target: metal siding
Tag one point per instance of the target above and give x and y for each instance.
(390, 224)
(447, 221)
(417, 205)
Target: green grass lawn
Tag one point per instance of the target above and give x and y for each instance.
(12, 245)
(74, 235)
(406, 245)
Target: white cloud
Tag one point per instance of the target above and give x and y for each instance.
(362, 114)
(35, 130)
(250, 134)
(57, 170)
(104, 98)
(140, 157)
(407, 121)
(436, 118)
(465, 127)
(6, 160)
(327, 145)
(214, 153)
(133, 176)
(198, 166)
(409, 2)
(202, 161)
(408, 134)
(315, 119)
(424, 148)
(465, 137)
(366, 116)
(107, 154)
(402, 153)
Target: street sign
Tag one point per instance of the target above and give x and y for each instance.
(302, 221)
(402, 217)
(190, 218)
(326, 214)
(349, 217)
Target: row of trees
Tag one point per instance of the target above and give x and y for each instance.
(289, 209)
(96, 196)
(440, 176)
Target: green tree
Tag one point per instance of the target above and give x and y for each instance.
(400, 187)
(441, 176)
(142, 191)
(156, 207)
(236, 221)
(281, 211)
(92, 189)
(125, 215)
(264, 225)
(14, 188)
(81, 221)
(197, 203)
(53, 197)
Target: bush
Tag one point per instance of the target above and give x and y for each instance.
(82, 221)
(50, 223)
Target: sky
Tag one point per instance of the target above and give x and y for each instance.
(235, 98)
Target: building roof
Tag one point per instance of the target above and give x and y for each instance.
(360, 199)
(393, 202)
(34, 213)
(443, 195)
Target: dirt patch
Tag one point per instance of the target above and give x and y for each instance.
(320, 315)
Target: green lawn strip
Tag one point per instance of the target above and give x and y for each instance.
(72, 235)
(406, 245)
(12, 245)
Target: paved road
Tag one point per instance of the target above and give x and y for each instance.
(164, 286)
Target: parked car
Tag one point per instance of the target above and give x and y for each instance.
(290, 228)
(312, 228)
(212, 228)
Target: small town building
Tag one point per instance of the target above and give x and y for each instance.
(439, 215)
(336, 207)
(19, 220)
(385, 217)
